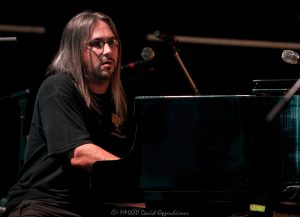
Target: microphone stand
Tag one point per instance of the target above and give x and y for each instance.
(179, 60)
(286, 98)
(22, 102)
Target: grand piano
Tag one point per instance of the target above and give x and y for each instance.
(212, 153)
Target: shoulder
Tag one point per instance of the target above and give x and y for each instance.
(57, 84)
(57, 80)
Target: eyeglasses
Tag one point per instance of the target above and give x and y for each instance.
(100, 43)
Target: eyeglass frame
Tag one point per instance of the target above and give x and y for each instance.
(98, 43)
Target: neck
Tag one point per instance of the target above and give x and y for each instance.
(99, 88)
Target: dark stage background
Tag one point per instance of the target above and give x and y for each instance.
(215, 69)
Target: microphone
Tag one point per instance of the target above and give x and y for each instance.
(171, 40)
(164, 36)
(147, 55)
(290, 57)
(20, 93)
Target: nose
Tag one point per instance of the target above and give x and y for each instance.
(106, 48)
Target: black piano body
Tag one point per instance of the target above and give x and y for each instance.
(209, 152)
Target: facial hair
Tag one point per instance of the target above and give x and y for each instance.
(101, 74)
(97, 73)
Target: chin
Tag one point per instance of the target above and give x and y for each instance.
(104, 75)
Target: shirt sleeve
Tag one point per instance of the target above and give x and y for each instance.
(63, 122)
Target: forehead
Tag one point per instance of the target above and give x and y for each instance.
(101, 30)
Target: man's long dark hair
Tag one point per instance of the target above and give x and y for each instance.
(69, 58)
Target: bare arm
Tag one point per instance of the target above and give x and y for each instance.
(86, 155)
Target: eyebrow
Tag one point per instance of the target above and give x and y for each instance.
(99, 38)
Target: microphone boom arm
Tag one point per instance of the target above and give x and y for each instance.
(286, 98)
(291, 57)
(171, 40)
(192, 83)
(179, 60)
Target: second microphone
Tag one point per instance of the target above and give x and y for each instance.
(147, 55)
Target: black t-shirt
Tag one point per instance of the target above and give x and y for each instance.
(61, 121)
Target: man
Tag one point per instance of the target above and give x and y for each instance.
(77, 120)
